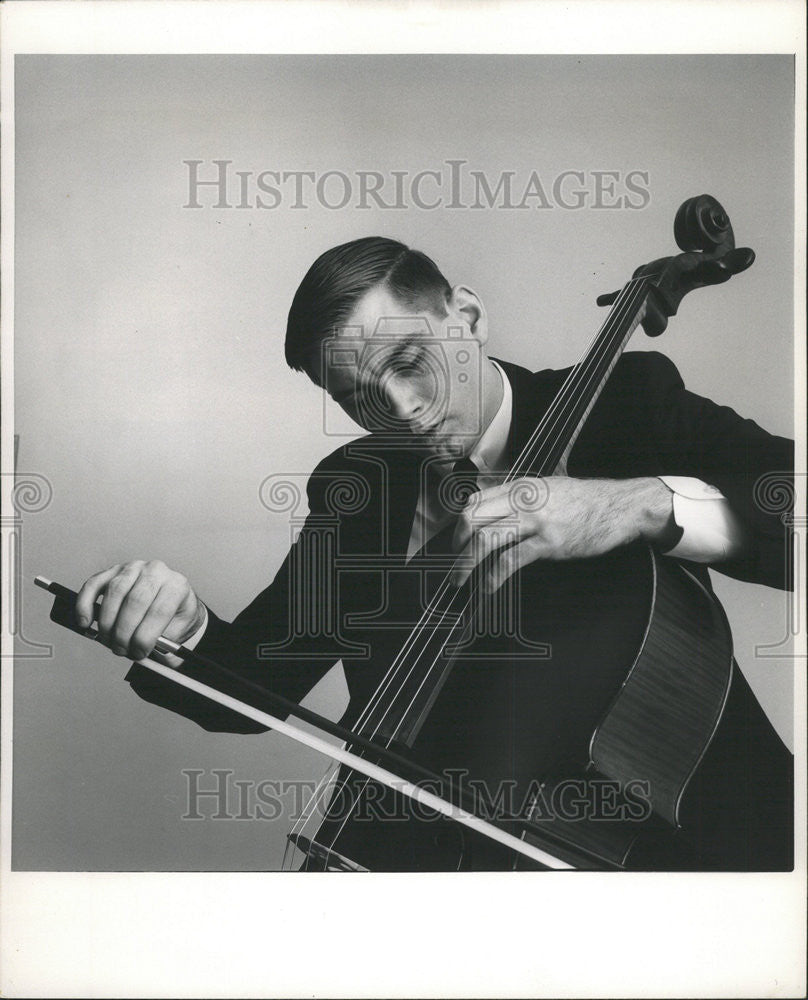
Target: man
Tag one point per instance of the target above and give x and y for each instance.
(404, 354)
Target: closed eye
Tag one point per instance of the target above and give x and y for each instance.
(409, 359)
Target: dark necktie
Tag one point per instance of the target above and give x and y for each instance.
(455, 490)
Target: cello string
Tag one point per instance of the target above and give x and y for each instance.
(474, 587)
(420, 633)
(578, 371)
(573, 393)
(550, 457)
(316, 793)
(582, 371)
(511, 475)
(568, 391)
(348, 812)
(307, 812)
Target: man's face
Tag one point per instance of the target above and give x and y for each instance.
(415, 374)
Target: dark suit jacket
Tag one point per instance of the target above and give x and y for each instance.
(319, 608)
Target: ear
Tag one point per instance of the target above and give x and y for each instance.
(468, 306)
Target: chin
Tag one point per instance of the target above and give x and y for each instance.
(449, 449)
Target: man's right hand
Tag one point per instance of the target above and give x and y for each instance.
(140, 602)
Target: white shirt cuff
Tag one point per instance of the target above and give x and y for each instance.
(711, 531)
(191, 643)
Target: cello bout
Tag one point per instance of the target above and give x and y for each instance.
(665, 715)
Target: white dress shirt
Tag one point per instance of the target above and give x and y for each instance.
(710, 529)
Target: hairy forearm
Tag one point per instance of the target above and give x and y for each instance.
(602, 514)
(559, 517)
(647, 507)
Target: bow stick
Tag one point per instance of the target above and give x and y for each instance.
(352, 760)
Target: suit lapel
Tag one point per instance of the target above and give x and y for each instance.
(392, 474)
(532, 394)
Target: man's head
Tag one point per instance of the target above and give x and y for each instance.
(339, 278)
(401, 351)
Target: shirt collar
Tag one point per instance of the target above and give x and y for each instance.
(490, 452)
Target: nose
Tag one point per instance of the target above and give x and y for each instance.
(403, 399)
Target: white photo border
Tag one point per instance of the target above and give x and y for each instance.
(262, 935)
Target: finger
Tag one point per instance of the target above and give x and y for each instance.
(483, 509)
(498, 489)
(508, 562)
(162, 610)
(484, 541)
(526, 491)
(115, 593)
(512, 500)
(88, 595)
(132, 610)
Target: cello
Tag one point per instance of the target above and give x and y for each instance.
(650, 713)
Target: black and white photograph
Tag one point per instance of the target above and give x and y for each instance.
(403, 502)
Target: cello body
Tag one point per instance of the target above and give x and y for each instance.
(587, 752)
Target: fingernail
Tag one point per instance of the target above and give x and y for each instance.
(83, 620)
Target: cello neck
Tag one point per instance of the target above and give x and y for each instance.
(548, 448)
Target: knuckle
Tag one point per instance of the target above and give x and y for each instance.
(118, 586)
(143, 593)
(101, 573)
(165, 606)
(174, 591)
(85, 595)
(178, 581)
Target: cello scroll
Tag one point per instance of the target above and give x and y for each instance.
(704, 233)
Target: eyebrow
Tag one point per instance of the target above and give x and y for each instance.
(399, 349)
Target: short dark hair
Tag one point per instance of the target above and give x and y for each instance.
(342, 275)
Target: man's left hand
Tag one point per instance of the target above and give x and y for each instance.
(556, 518)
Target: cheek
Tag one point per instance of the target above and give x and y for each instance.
(429, 379)
(468, 408)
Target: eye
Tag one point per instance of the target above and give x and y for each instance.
(410, 360)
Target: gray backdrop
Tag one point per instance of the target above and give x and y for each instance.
(151, 390)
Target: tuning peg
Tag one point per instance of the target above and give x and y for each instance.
(740, 258)
(608, 299)
(712, 272)
(715, 272)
